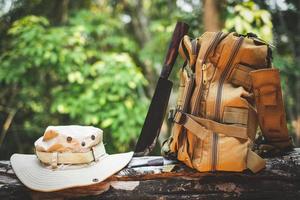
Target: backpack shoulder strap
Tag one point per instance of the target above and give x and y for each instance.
(188, 49)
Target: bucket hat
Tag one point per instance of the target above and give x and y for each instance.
(66, 157)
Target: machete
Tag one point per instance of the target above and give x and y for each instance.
(160, 99)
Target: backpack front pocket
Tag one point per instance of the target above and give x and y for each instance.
(232, 153)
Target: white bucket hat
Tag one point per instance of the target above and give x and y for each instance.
(67, 156)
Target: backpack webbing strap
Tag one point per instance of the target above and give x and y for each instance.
(254, 162)
(201, 127)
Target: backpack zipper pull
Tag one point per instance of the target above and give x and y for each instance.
(204, 72)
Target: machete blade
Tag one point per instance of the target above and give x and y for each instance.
(154, 118)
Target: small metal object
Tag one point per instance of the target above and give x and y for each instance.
(204, 68)
(168, 168)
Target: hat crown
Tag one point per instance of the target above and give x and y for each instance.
(71, 138)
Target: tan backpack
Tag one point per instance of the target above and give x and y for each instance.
(227, 88)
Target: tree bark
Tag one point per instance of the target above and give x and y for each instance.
(61, 8)
(280, 180)
(7, 125)
(211, 17)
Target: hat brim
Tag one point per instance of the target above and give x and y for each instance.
(40, 178)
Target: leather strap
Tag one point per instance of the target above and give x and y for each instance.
(55, 158)
(201, 127)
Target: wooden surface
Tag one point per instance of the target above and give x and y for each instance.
(280, 180)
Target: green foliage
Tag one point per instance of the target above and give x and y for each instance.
(108, 94)
(64, 74)
(246, 17)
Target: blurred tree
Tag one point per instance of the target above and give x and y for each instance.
(286, 20)
(213, 10)
(286, 27)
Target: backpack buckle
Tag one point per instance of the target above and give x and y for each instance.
(177, 116)
(180, 117)
(171, 115)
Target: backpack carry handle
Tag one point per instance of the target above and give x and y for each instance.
(180, 30)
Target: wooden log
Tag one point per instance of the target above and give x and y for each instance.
(280, 180)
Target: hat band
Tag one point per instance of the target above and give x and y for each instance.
(55, 158)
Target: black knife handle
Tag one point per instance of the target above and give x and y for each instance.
(180, 30)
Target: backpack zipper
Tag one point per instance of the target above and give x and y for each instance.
(236, 47)
(203, 66)
(187, 100)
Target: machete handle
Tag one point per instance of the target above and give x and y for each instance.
(180, 30)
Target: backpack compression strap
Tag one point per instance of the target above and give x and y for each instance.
(201, 127)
